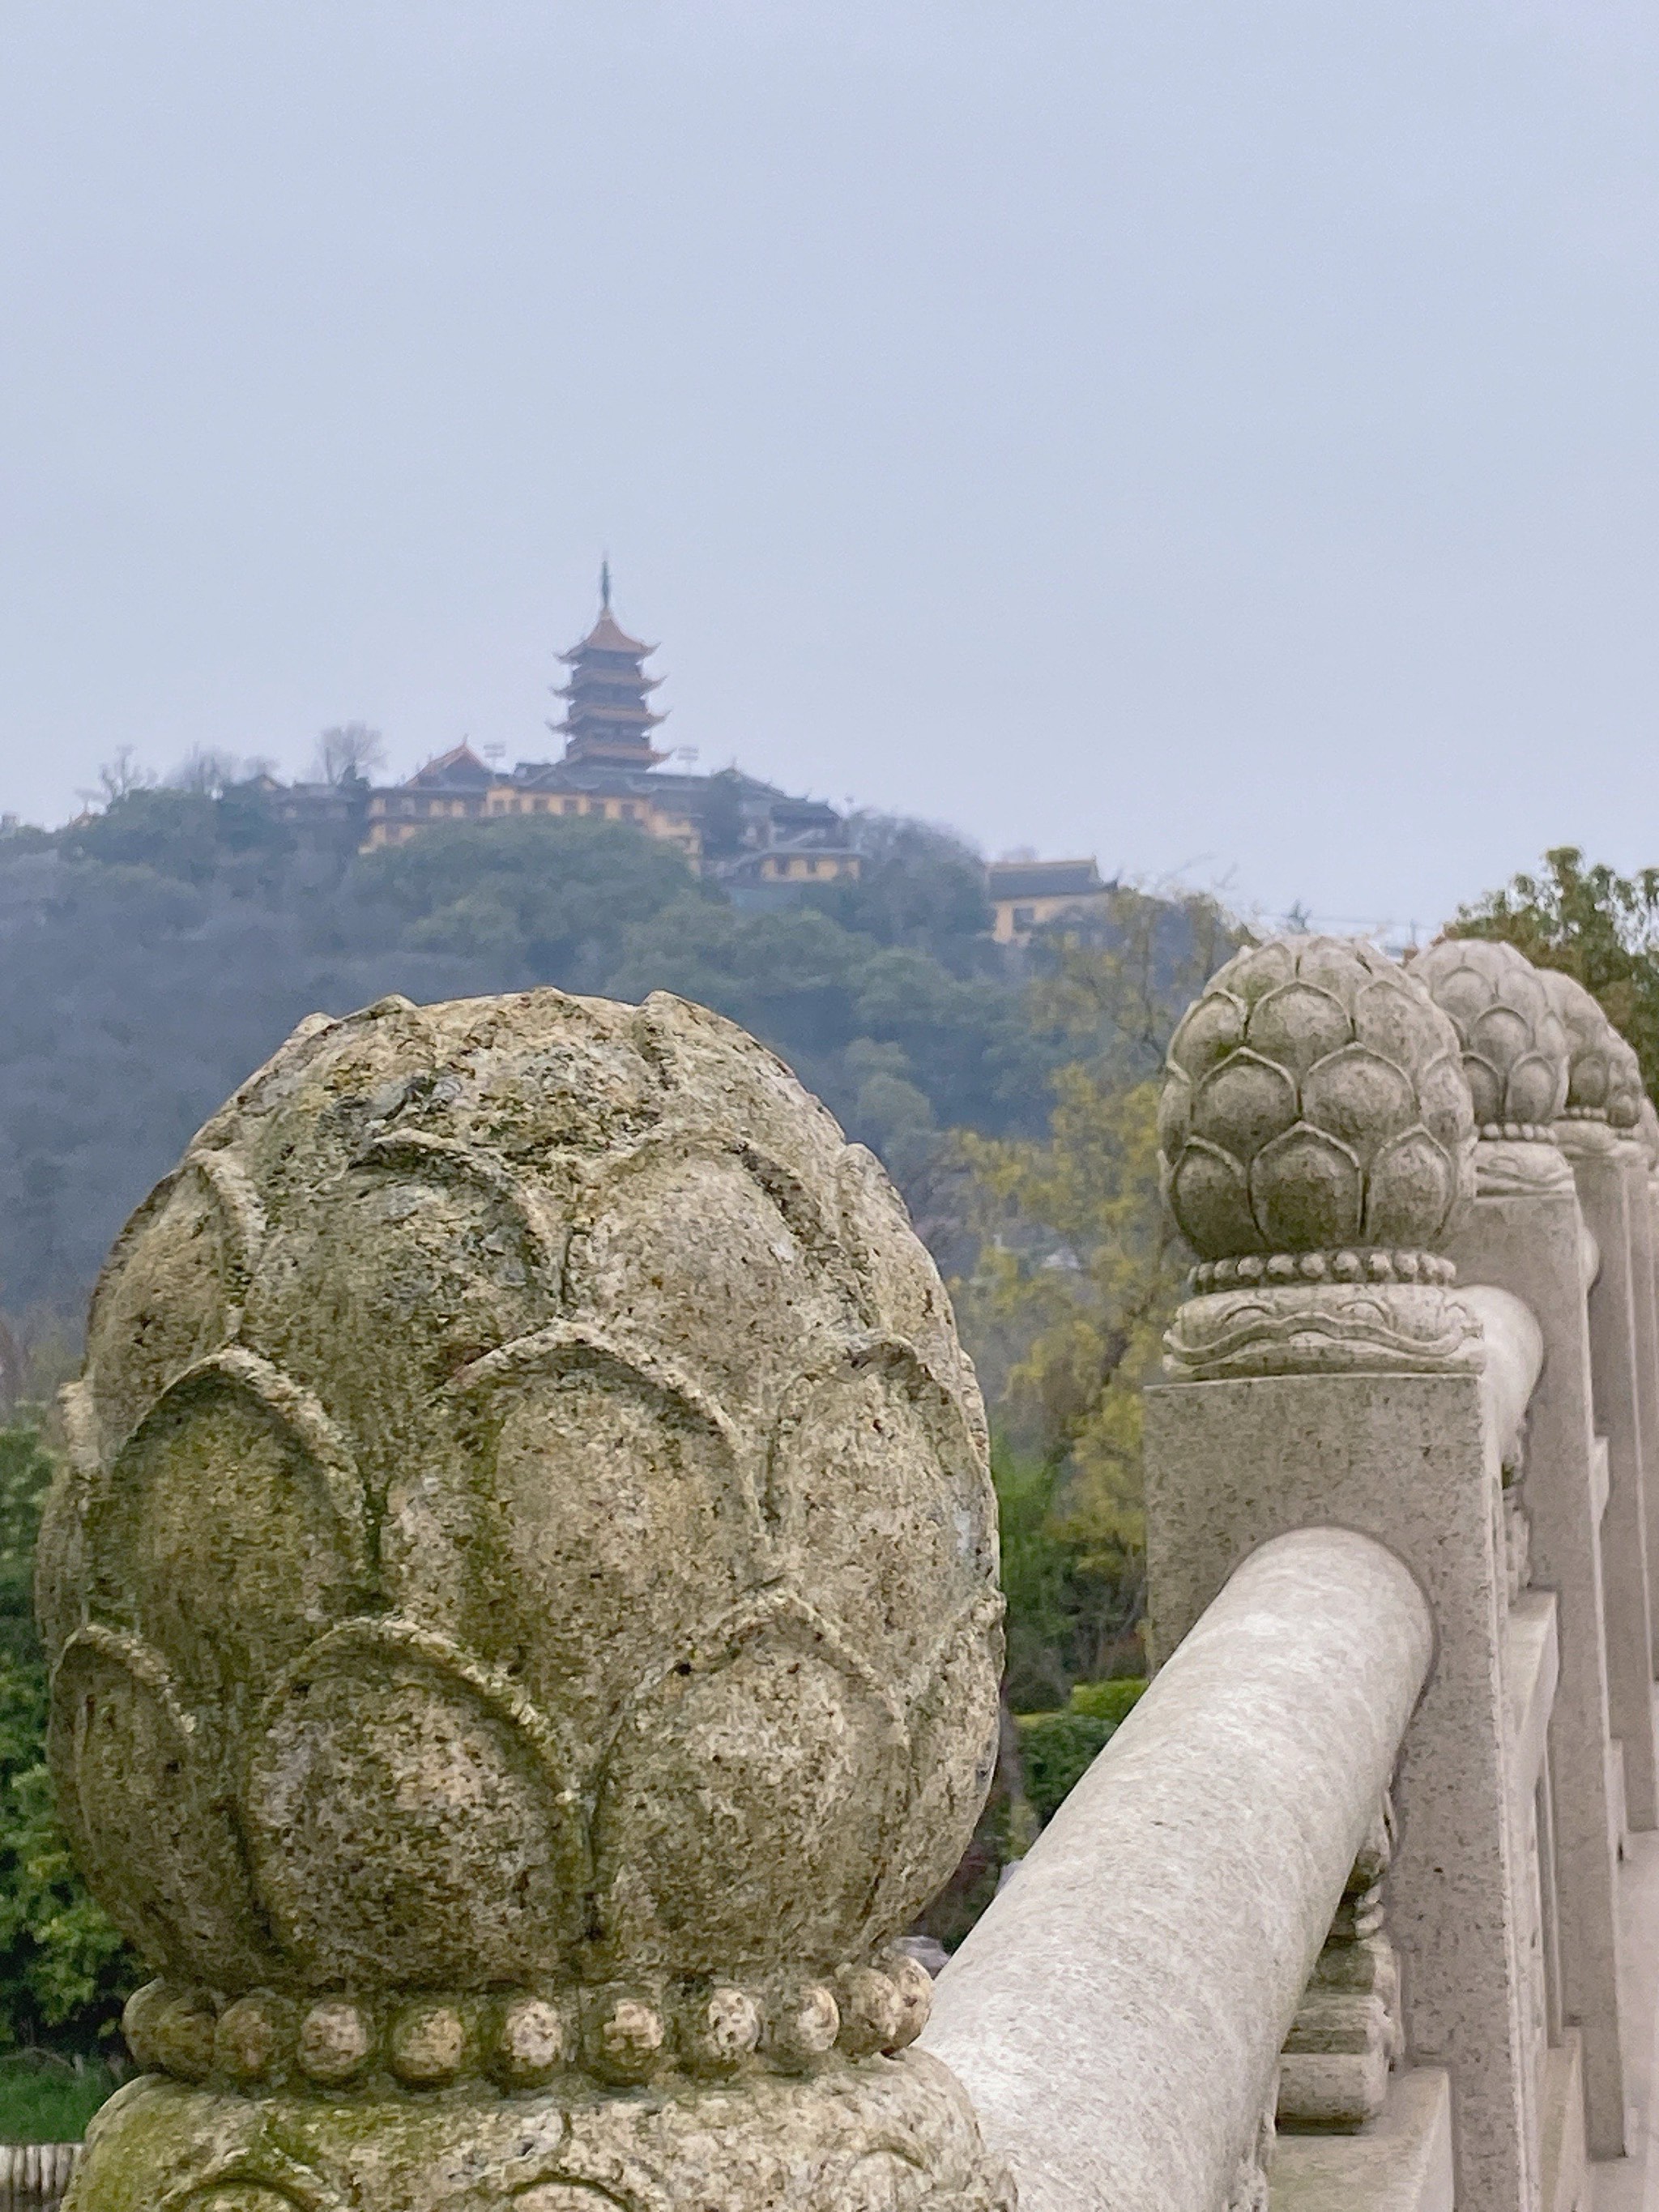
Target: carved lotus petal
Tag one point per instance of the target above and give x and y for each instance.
(1501, 1034)
(1488, 1089)
(1396, 1017)
(926, 1849)
(1359, 1097)
(1624, 1091)
(774, 1755)
(142, 1801)
(1175, 1113)
(1444, 1103)
(1341, 964)
(1306, 1192)
(1298, 1024)
(912, 1527)
(463, 1868)
(1209, 1195)
(1244, 1103)
(1250, 974)
(1463, 992)
(1410, 1192)
(1590, 1085)
(1537, 1089)
(1210, 1028)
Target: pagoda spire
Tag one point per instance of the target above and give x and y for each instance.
(607, 717)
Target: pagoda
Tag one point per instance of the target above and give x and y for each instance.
(607, 717)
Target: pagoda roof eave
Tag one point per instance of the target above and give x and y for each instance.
(608, 676)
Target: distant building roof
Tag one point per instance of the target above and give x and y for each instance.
(1035, 879)
(458, 769)
(608, 636)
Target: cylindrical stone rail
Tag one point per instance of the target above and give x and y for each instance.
(1515, 1356)
(1117, 2014)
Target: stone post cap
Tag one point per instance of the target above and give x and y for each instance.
(1514, 1046)
(1315, 1124)
(523, 1596)
(1591, 1048)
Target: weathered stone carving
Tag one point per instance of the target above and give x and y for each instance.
(1515, 1061)
(1514, 1046)
(1314, 1105)
(1334, 2073)
(1591, 1048)
(1280, 1329)
(525, 1634)
(1317, 1141)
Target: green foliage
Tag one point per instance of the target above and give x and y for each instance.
(1057, 1749)
(1076, 1277)
(556, 897)
(917, 886)
(1112, 1701)
(64, 1971)
(1601, 927)
(45, 2097)
(173, 832)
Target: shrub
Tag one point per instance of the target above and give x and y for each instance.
(1057, 1749)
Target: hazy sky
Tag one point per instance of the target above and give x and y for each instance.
(1215, 435)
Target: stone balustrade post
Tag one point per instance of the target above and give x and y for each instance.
(525, 1634)
(1603, 1161)
(1318, 1136)
(1523, 1234)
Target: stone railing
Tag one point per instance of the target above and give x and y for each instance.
(525, 1637)
(1421, 1329)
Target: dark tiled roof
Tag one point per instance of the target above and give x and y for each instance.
(608, 636)
(458, 769)
(1035, 880)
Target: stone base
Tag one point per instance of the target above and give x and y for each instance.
(875, 2135)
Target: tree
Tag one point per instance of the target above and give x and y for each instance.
(721, 822)
(64, 1969)
(1598, 927)
(117, 777)
(1078, 1274)
(917, 885)
(349, 750)
(550, 899)
(209, 772)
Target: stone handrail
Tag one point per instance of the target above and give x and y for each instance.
(1515, 1358)
(1117, 2014)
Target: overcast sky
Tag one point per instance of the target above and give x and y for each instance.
(1218, 437)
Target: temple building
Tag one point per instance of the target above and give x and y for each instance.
(607, 718)
(765, 844)
(1024, 894)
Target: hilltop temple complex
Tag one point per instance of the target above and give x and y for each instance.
(765, 844)
(747, 832)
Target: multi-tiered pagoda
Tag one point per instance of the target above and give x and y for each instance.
(764, 845)
(607, 718)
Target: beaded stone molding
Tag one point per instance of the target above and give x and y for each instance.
(525, 2039)
(1323, 1267)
